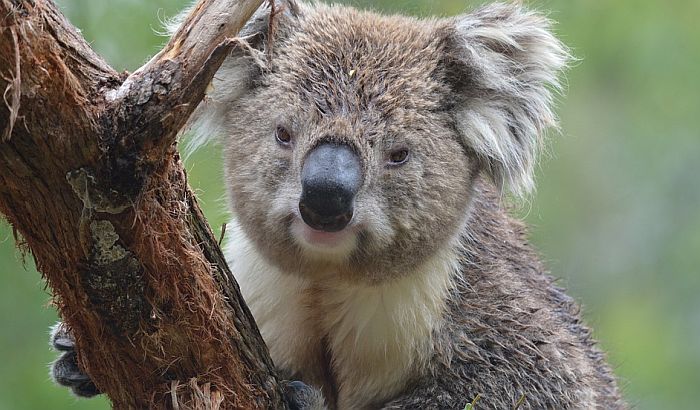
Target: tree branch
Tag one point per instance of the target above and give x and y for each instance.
(178, 75)
(91, 179)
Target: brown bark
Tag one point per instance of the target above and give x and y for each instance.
(91, 179)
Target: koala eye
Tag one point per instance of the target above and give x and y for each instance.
(283, 137)
(398, 157)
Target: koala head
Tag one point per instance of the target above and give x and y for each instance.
(353, 149)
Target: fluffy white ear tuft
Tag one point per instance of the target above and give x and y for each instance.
(503, 65)
(236, 76)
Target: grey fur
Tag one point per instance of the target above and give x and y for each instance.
(304, 397)
(512, 332)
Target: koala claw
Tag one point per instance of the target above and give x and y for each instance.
(303, 397)
(65, 370)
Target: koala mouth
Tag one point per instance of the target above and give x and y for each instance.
(339, 243)
(322, 238)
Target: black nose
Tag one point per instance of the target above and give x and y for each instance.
(330, 178)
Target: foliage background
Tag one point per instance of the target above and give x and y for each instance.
(617, 213)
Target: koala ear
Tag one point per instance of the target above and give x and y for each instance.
(502, 65)
(240, 73)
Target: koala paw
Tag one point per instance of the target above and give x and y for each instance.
(65, 370)
(304, 397)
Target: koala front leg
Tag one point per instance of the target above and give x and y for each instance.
(65, 370)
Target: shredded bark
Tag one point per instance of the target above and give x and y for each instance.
(13, 89)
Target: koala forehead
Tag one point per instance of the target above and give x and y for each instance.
(339, 62)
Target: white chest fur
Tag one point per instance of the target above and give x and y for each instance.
(378, 337)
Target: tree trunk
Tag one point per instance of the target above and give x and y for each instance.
(91, 181)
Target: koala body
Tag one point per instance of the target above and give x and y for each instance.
(366, 158)
(429, 295)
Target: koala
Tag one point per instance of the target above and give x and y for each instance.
(367, 158)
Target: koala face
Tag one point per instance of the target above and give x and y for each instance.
(353, 150)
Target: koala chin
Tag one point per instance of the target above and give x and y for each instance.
(366, 161)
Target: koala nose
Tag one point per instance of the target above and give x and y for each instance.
(330, 178)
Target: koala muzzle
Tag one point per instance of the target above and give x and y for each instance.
(330, 178)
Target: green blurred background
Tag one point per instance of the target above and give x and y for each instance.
(617, 212)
